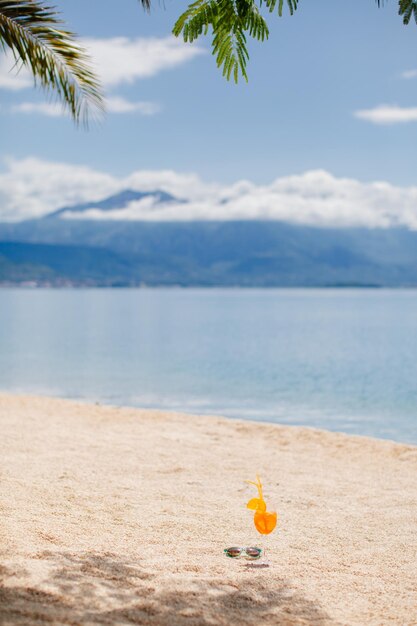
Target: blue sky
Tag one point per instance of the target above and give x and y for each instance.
(311, 102)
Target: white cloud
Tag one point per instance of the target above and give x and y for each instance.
(187, 186)
(117, 60)
(387, 114)
(32, 187)
(407, 74)
(13, 77)
(51, 109)
(117, 104)
(114, 104)
(121, 60)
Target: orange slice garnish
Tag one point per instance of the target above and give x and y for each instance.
(256, 504)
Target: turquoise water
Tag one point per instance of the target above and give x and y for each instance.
(344, 360)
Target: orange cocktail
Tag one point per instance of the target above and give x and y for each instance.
(265, 521)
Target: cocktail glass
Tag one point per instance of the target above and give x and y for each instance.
(265, 523)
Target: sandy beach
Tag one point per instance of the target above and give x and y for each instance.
(120, 516)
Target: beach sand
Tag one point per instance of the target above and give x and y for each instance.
(120, 516)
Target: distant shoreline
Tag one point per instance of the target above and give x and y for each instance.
(55, 251)
(35, 285)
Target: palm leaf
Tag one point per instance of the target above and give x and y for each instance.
(229, 20)
(32, 31)
(146, 4)
(408, 9)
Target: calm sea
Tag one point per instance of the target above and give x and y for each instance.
(344, 360)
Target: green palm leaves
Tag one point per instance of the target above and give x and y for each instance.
(408, 9)
(230, 21)
(33, 33)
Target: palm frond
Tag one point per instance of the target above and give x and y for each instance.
(229, 20)
(408, 9)
(32, 31)
(292, 6)
(146, 4)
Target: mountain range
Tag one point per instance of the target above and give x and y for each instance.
(68, 247)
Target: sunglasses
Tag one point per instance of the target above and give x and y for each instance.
(248, 553)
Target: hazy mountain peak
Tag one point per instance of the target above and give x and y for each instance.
(115, 202)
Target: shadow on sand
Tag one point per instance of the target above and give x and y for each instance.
(83, 586)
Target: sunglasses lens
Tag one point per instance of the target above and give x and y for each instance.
(253, 553)
(233, 552)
